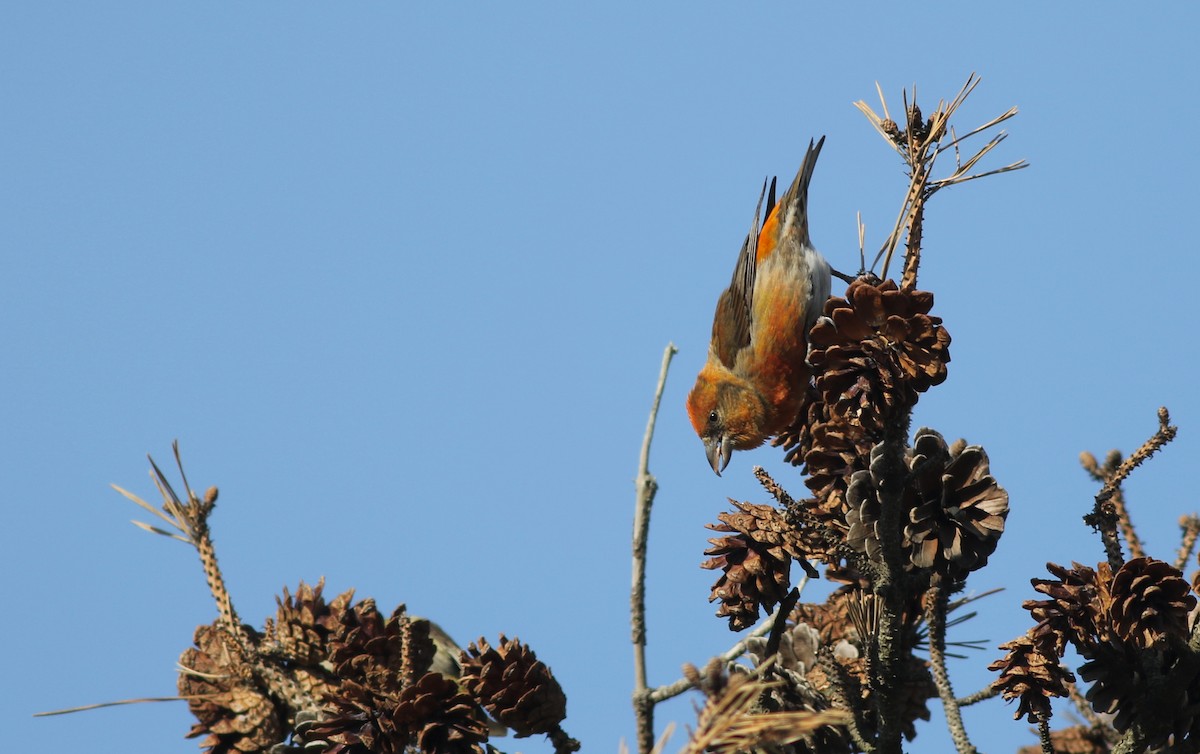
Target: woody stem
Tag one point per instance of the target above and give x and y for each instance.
(646, 486)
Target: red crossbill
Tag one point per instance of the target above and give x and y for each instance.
(756, 375)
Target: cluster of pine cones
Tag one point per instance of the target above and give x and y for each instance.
(338, 677)
(873, 352)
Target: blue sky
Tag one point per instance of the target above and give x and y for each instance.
(398, 277)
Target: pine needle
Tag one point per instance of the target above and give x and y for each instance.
(101, 705)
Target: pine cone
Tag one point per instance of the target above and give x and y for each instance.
(756, 560)
(1150, 603)
(369, 649)
(236, 715)
(1074, 611)
(863, 516)
(797, 439)
(433, 713)
(453, 721)
(1120, 687)
(516, 688)
(831, 451)
(956, 523)
(302, 625)
(874, 351)
(1117, 683)
(797, 653)
(1031, 672)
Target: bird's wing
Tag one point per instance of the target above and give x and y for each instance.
(731, 324)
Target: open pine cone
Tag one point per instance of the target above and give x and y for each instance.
(756, 560)
(874, 351)
(1074, 610)
(1031, 673)
(433, 714)
(516, 688)
(959, 515)
(236, 714)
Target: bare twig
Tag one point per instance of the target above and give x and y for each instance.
(189, 518)
(1091, 466)
(982, 695)
(1166, 433)
(1136, 550)
(646, 486)
(675, 688)
(1110, 512)
(1190, 526)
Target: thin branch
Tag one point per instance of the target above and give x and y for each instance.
(646, 487)
(675, 688)
(1187, 544)
(990, 692)
(1136, 549)
(937, 602)
(1110, 512)
(780, 623)
(1166, 433)
(1044, 735)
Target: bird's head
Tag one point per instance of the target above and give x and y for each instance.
(728, 414)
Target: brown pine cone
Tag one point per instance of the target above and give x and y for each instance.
(369, 649)
(960, 512)
(830, 450)
(1073, 612)
(433, 714)
(863, 516)
(1031, 673)
(1117, 683)
(820, 536)
(302, 625)
(756, 560)
(874, 351)
(1150, 603)
(236, 714)
(515, 688)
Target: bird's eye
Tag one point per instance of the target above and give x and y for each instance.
(712, 417)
